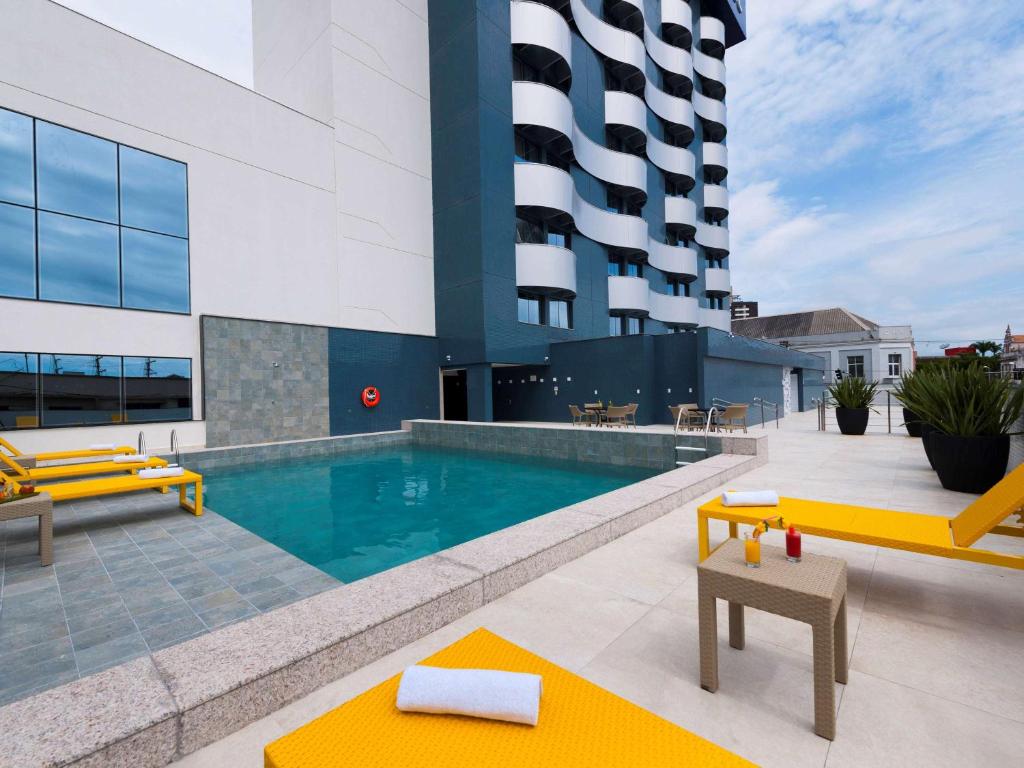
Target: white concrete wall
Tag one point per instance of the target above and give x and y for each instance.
(878, 350)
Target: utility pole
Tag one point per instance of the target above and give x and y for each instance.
(149, 367)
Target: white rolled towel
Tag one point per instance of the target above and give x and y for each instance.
(750, 499)
(131, 458)
(149, 474)
(488, 693)
(101, 447)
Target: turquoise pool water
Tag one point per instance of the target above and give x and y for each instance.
(355, 515)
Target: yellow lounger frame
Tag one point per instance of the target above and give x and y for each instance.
(111, 486)
(81, 453)
(10, 466)
(927, 534)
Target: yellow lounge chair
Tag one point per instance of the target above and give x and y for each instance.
(580, 725)
(111, 486)
(82, 453)
(910, 531)
(16, 470)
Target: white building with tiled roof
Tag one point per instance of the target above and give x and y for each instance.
(1012, 357)
(846, 341)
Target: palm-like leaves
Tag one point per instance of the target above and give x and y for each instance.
(853, 392)
(961, 401)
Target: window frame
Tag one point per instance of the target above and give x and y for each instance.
(850, 364)
(897, 363)
(120, 275)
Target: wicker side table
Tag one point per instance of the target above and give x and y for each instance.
(40, 506)
(812, 591)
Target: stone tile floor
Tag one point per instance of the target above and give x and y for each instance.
(131, 574)
(936, 676)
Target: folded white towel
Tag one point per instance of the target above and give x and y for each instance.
(510, 696)
(750, 499)
(101, 447)
(149, 474)
(131, 458)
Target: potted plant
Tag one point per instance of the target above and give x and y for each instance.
(853, 398)
(903, 392)
(971, 415)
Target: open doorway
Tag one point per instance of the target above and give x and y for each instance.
(454, 396)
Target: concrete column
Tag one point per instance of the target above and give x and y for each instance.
(478, 393)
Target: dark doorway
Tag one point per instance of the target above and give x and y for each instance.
(456, 400)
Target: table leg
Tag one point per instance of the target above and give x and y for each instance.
(708, 631)
(842, 660)
(824, 676)
(734, 530)
(703, 538)
(46, 538)
(737, 630)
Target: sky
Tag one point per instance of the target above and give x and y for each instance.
(875, 151)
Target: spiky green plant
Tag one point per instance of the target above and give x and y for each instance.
(963, 401)
(905, 388)
(853, 392)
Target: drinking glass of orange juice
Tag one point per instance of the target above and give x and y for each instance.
(752, 551)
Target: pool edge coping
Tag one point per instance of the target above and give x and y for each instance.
(203, 689)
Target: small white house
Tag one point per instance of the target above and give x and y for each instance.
(847, 342)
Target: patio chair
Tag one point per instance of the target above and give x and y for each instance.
(29, 460)
(691, 418)
(580, 417)
(111, 486)
(617, 415)
(16, 469)
(631, 414)
(580, 724)
(732, 418)
(936, 535)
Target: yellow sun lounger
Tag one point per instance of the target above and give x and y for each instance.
(15, 469)
(928, 534)
(111, 486)
(580, 725)
(82, 453)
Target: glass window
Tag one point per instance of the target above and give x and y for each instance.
(19, 405)
(528, 231)
(157, 389)
(614, 326)
(614, 267)
(17, 177)
(78, 261)
(855, 366)
(77, 173)
(526, 151)
(17, 251)
(155, 271)
(632, 269)
(560, 314)
(529, 309)
(559, 238)
(634, 326)
(153, 193)
(895, 365)
(80, 389)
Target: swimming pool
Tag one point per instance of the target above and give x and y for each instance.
(354, 515)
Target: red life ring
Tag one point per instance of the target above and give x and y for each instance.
(371, 397)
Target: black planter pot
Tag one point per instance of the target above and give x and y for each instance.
(969, 464)
(852, 421)
(912, 423)
(927, 430)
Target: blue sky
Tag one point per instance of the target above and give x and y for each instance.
(876, 157)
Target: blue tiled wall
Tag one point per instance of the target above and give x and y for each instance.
(403, 368)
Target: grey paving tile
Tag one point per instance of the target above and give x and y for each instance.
(273, 598)
(15, 635)
(151, 598)
(257, 586)
(13, 662)
(50, 676)
(315, 585)
(227, 613)
(214, 599)
(151, 619)
(25, 585)
(97, 635)
(107, 612)
(88, 580)
(193, 587)
(170, 633)
(90, 600)
(110, 653)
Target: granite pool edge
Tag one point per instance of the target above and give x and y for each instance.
(187, 696)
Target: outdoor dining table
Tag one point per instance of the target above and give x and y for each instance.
(600, 413)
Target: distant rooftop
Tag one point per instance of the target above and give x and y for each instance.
(817, 322)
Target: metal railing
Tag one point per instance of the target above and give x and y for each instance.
(175, 448)
(762, 402)
(707, 428)
(142, 443)
(882, 405)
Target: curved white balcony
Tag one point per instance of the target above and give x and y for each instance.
(677, 22)
(543, 38)
(537, 104)
(715, 158)
(716, 318)
(673, 60)
(628, 14)
(545, 268)
(623, 48)
(544, 187)
(680, 311)
(716, 202)
(716, 281)
(628, 295)
(712, 113)
(712, 36)
(681, 216)
(617, 230)
(626, 116)
(677, 162)
(676, 112)
(712, 71)
(714, 239)
(672, 259)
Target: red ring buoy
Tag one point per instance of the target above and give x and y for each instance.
(371, 397)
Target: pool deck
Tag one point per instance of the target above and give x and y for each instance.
(936, 676)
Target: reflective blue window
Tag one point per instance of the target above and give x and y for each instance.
(19, 406)
(17, 181)
(80, 389)
(78, 261)
(157, 389)
(153, 193)
(77, 173)
(17, 252)
(155, 269)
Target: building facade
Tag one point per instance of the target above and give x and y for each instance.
(420, 197)
(1011, 358)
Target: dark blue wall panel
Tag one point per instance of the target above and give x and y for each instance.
(403, 368)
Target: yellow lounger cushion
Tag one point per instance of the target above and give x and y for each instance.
(580, 725)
